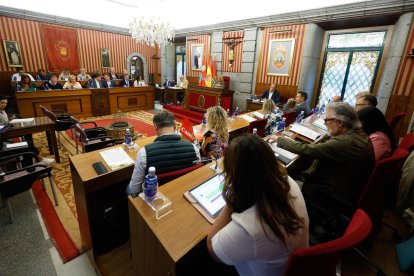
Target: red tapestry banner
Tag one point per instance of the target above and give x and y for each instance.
(61, 48)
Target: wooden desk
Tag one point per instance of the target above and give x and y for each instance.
(95, 194)
(236, 126)
(171, 94)
(159, 246)
(159, 94)
(39, 124)
(253, 106)
(131, 98)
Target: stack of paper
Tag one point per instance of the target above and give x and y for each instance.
(116, 158)
(283, 155)
(25, 120)
(304, 131)
(320, 123)
(258, 114)
(16, 145)
(247, 118)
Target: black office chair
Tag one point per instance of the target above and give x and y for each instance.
(62, 123)
(20, 180)
(90, 144)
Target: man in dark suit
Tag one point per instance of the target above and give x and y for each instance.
(107, 82)
(168, 83)
(126, 82)
(53, 84)
(112, 75)
(95, 82)
(271, 94)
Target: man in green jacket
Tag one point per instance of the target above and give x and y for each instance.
(342, 164)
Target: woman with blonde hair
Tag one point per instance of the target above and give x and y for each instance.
(72, 83)
(216, 139)
(273, 115)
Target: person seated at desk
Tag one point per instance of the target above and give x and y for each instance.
(126, 82)
(107, 82)
(20, 72)
(300, 104)
(83, 76)
(167, 153)
(139, 82)
(365, 99)
(72, 83)
(42, 75)
(216, 138)
(265, 216)
(125, 71)
(95, 82)
(376, 126)
(53, 84)
(273, 115)
(26, 84)
(341, 164)
(65, 75)
(168, 83)
(112, 74)
(182, 82)
(271, 94)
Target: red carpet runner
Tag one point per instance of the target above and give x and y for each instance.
(63, 243)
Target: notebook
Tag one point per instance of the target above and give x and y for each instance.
(116, 158)
(304, 131)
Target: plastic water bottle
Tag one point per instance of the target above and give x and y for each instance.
(322, 110)
(15, 78)
(316, 110)
(255, 131)
(150, 185)
(127, 140)
(254, 96)
(18, 88)
(228, 113)
(236, 112)
(282, 124)
(38, 78)
(204, 120)
(47, 86)
(300, 117)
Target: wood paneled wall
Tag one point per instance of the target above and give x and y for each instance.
(90, 42)
(280, 32)
(286, 91)
(194, 40)
(402, 98)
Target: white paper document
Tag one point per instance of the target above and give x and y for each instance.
(247, 118)
(302, 130)
(25, 120)
(320, 123)
(116, 158)
(258, 114)
(16, 145)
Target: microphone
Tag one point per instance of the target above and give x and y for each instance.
(215, 168)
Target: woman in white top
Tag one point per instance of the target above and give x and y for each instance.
(265, 217)
(72, 83)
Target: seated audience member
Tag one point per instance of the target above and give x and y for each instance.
(273, 116)
(53, 84)
(72, 83)
(182, 82)
(42, 75)
(336, 99)
(83, 76)
(112, 74)
(65, 75)
(167, 83)
(342, 163)
(216, 138)
(376, 126)
(265, 216)
(300, 104)
(167, 153)
(107, 82)
(125, 71)
(271, 94)
(20, 72)
(126, 82)
(97, 72)
(26, 84)
(365, 99)
(95, 82)
(139, 82)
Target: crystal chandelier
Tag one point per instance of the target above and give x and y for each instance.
(151, 30)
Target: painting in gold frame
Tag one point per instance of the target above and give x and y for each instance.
(279, 59)
(13, 53)
(197, 55)
(106, 58)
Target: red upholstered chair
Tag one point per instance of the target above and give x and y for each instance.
(395, 120)
(322, 259)
(167, 177)
(407, 142)
(260, 125)
(290, 117)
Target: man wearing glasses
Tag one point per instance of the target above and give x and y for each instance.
(341, 164)
(365, 99)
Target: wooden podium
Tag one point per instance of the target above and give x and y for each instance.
(100, 102)
(200, 98)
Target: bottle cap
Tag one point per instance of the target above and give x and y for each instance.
(151, 169)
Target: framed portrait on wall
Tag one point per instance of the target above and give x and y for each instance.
(197, 54)
(106, 58)
(13, 53)
(279, 60)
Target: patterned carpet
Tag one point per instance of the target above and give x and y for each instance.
(61, 172)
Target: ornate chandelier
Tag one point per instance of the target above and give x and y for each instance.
(151, 30)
